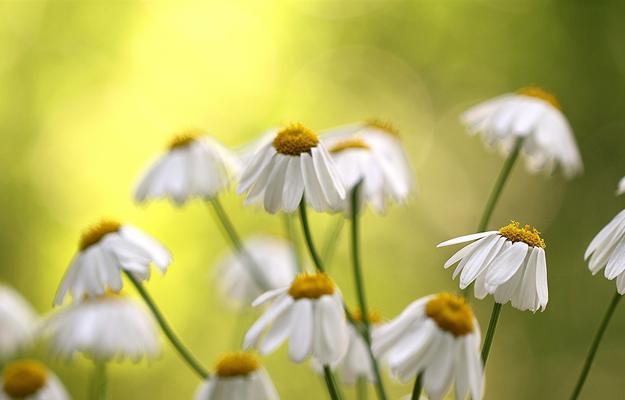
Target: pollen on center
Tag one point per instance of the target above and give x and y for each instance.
(383, 126)
(353, 143)
(540, 93)
(24, 378)
(451, 313)
(184, 139)
(526, 234)
(295, 139)
(311, 286)
(94, 233)
(237, 364)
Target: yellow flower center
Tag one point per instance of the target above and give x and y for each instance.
(24, 378)
(529, 235)
(540, 93)
(354, 143)
(295, 139)
(184, 139)
(451, 313)
(311, 286)
(96, 232)
(384, 126)
(373, 317)
(237, 364)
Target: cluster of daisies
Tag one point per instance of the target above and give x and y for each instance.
(434, 342)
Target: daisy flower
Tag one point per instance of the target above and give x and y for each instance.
(607, 249)
(439, 337)
(30, 380)
(105, 250)
(509, 263)
(104, 327)
(273, 259)
(238, 376)
(309, 314)
(294, 165)
(532, 114)
(17, 319)
(621, 187)
(194, 166)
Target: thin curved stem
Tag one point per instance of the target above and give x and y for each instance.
(186, 355)
(237, 244)
(416, 390)
(333, 389)
(595, 345)
(308, 238)
(361, 388)
(490, 333)
(98, 384)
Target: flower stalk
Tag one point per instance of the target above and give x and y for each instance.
(416, 390)
(98, 384)
(333, 389)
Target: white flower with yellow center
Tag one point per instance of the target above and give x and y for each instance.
(30, 380)
(509, 263)
(238, 376)
(439, 337)
(106, 249)
(532, 114)
(273, 259)
(109, 326)
(309, 314)
(607, 250)
(195, 166)
(294, 165)
(17, 322)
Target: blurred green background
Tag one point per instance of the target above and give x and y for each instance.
(91, 91)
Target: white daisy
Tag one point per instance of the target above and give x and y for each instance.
(273, 260)
(105, 250)
(357, 162)
(294, 165)
(532, 114)
(17, 319)
(238, 376)
(30, 380)
(309, 314)
(621, 187)
(103, 327)
(195, 166)
(607, 249)
(509, 264)
(439, 337)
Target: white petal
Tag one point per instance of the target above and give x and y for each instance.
(466, 238)
(301, 337)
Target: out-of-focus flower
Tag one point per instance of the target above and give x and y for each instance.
(238, 376)
(439, 337)
(30, 380)
(621, 187)
(294, 165)
(273, 259)
(105, 250)
(532, 114)
(607, 249)
(194, 166)
(357, 363)
(309, 314)
(109, 326)
(17, 322)
(509, 263)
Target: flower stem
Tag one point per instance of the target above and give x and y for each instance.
(237, 244)
(186, 355)
(360, 289)
(333, 389)
(361, 388)
(595, 345)
(97, 387)
(308, 237)
(490, 333)
(416, 390)
(291, 233)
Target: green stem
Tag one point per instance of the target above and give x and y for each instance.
(490, 333)
(97, 387)
(186, 355)
(360, 289)
(333, 389)
(308, 238)
(237, 244)
(416, 390)
(361, 388)
(595, 345)
(291, 232)
(332, 239)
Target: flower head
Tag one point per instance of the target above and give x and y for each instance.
(436, 336)
(18, 321)
(292, 166)
(533, 114)
(606, 251)
(194, 165)
(509, 263)
(105, 250)
(30, 380)
(309, 314)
